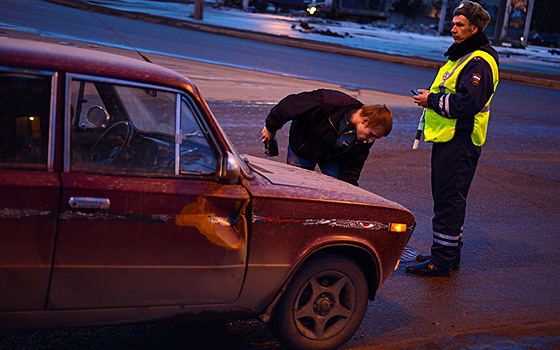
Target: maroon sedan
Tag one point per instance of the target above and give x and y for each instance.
(122, 200)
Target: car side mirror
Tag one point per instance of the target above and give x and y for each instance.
(97, 116)
(228, 169)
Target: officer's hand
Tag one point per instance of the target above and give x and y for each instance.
(422, 99)
(267, 135)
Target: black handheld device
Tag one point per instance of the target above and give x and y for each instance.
(271, 148)
(414, 91)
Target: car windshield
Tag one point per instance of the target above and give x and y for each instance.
(247, 171)
(150, 111)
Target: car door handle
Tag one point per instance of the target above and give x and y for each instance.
(89, 203)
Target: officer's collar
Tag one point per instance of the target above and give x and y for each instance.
(472, 44)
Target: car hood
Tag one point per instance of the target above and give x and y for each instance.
(291, 181)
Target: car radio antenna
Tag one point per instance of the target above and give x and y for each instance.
(123, 39)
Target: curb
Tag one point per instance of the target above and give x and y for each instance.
(536, 79)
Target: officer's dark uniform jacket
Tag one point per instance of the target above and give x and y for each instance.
(316, 117)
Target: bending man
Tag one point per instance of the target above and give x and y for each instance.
(329, 129)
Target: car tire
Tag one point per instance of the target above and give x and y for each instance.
(323, 305)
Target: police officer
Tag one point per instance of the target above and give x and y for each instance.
(456, 116)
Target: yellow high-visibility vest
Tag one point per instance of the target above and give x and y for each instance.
(441, 129)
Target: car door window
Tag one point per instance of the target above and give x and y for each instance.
(25, 104)
(119, 128)
(196, 154)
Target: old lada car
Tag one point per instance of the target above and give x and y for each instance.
(122, 200)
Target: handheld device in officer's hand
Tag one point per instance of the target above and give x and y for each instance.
(420, 123)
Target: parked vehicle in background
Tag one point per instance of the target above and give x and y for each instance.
(263, 5)
(362, 10)
(543, 39)
(124, 201)
(281, 5)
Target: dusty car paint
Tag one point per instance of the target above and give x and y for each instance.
(28, 211)
(288, 198)
(91, 259)
(168, 246)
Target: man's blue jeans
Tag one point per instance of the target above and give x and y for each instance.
(329, 168)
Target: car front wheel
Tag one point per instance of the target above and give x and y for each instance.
(323, 305)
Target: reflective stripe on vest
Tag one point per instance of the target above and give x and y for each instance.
(441, 129)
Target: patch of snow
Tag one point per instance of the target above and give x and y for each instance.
(379, 36)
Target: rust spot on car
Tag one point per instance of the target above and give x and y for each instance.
(22, 213)
(222, 231)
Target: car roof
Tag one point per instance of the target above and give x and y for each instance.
(62, 58)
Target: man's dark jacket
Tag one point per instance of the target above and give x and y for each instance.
(316, 116)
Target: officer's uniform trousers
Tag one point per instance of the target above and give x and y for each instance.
(453, 167)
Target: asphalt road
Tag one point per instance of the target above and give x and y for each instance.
(507, 288)
(354, 73)
(506, 294)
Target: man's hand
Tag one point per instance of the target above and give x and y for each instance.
(267, 135)
(422, 99)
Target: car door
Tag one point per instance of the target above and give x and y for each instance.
(29, 187)
(143, 220)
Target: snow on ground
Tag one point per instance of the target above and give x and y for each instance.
(380, 36)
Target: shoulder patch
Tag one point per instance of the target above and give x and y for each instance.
(475, 79)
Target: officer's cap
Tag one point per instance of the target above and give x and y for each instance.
(477, 15)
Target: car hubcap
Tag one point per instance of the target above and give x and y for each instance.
(325, 305)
